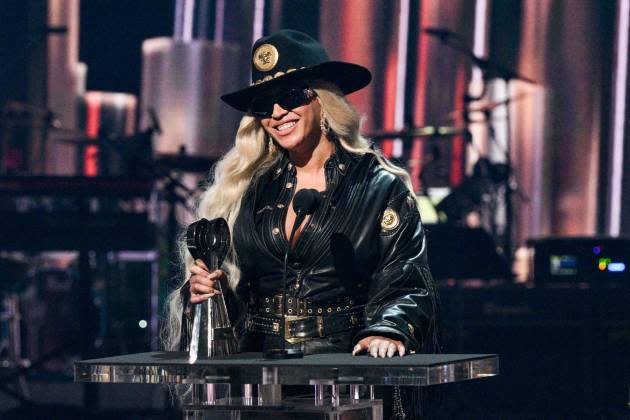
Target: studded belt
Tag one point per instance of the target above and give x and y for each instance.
(274, 305)
(297, 329)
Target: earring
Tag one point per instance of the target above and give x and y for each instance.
(270, 143)
(323, 123)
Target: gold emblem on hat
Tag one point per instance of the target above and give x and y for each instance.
(265, 57)
(390, 220)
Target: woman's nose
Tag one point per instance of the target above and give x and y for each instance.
(278, 111)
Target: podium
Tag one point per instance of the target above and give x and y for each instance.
(246, 386)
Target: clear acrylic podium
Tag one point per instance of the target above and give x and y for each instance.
(246, 386)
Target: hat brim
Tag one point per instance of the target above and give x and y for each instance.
(347, 76)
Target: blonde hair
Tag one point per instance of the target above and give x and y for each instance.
(252, 155)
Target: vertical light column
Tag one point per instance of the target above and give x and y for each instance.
(65, 80)
(184, 19)
(478, 131)
(259, 18)
(419, 111)
(401, 74)
(390, 83)
(219, 22)
(532, 154)
(619, 118)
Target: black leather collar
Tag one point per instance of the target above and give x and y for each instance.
(340, 160)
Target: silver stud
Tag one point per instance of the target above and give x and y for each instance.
(290, 166)
(266, 309)
(266, 299)
(280, 206)
(290, 300)
(319, 310)
(290, 311)
(310, 311)
(329, 310)
(275, 231)
(278, 170)
(289, 185)
(342, 166)
(338, 309)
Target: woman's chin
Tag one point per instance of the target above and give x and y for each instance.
(292, 142)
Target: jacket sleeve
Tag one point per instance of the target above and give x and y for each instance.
(402, 301)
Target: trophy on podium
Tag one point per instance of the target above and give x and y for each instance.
(212, 333)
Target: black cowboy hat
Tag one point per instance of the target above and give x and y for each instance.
(289, 56)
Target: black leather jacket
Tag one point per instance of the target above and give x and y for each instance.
(366, 241)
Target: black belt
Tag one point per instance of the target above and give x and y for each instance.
(297, 329)
(275, 305)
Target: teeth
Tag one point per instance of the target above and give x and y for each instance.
(286, 125)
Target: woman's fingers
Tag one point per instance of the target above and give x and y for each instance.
(202, 282)
(378, 346)
(199, 285)
(200, 263)
(204, 277)
(401, 349)
(374, 348)
(195, 269)
(391, 349)
(200, 298)
(383, 345)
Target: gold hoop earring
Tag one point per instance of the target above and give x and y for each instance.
(323, 123)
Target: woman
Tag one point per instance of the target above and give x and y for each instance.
(357, 277)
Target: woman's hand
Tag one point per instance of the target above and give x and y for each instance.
(379, 346)
(202, 282)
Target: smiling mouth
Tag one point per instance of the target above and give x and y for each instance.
(286, 126)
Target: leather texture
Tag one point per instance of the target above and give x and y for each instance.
(366, 241)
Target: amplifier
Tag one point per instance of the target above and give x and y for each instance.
(595, 260)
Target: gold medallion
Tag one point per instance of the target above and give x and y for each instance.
(265, 57)
(390, 220)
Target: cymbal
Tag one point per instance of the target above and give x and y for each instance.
(489, 68)
(428, 131)
(488, 106)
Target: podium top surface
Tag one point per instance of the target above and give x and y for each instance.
(340, 368)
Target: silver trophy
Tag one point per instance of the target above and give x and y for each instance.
(212, 333)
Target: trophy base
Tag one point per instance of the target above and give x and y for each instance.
(278, 354)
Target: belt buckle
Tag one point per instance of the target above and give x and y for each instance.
(287, 331)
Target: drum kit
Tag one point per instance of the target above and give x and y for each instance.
(490, 186)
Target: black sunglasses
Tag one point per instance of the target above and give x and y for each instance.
(262, 106)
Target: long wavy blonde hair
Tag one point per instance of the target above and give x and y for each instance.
(252, 155)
